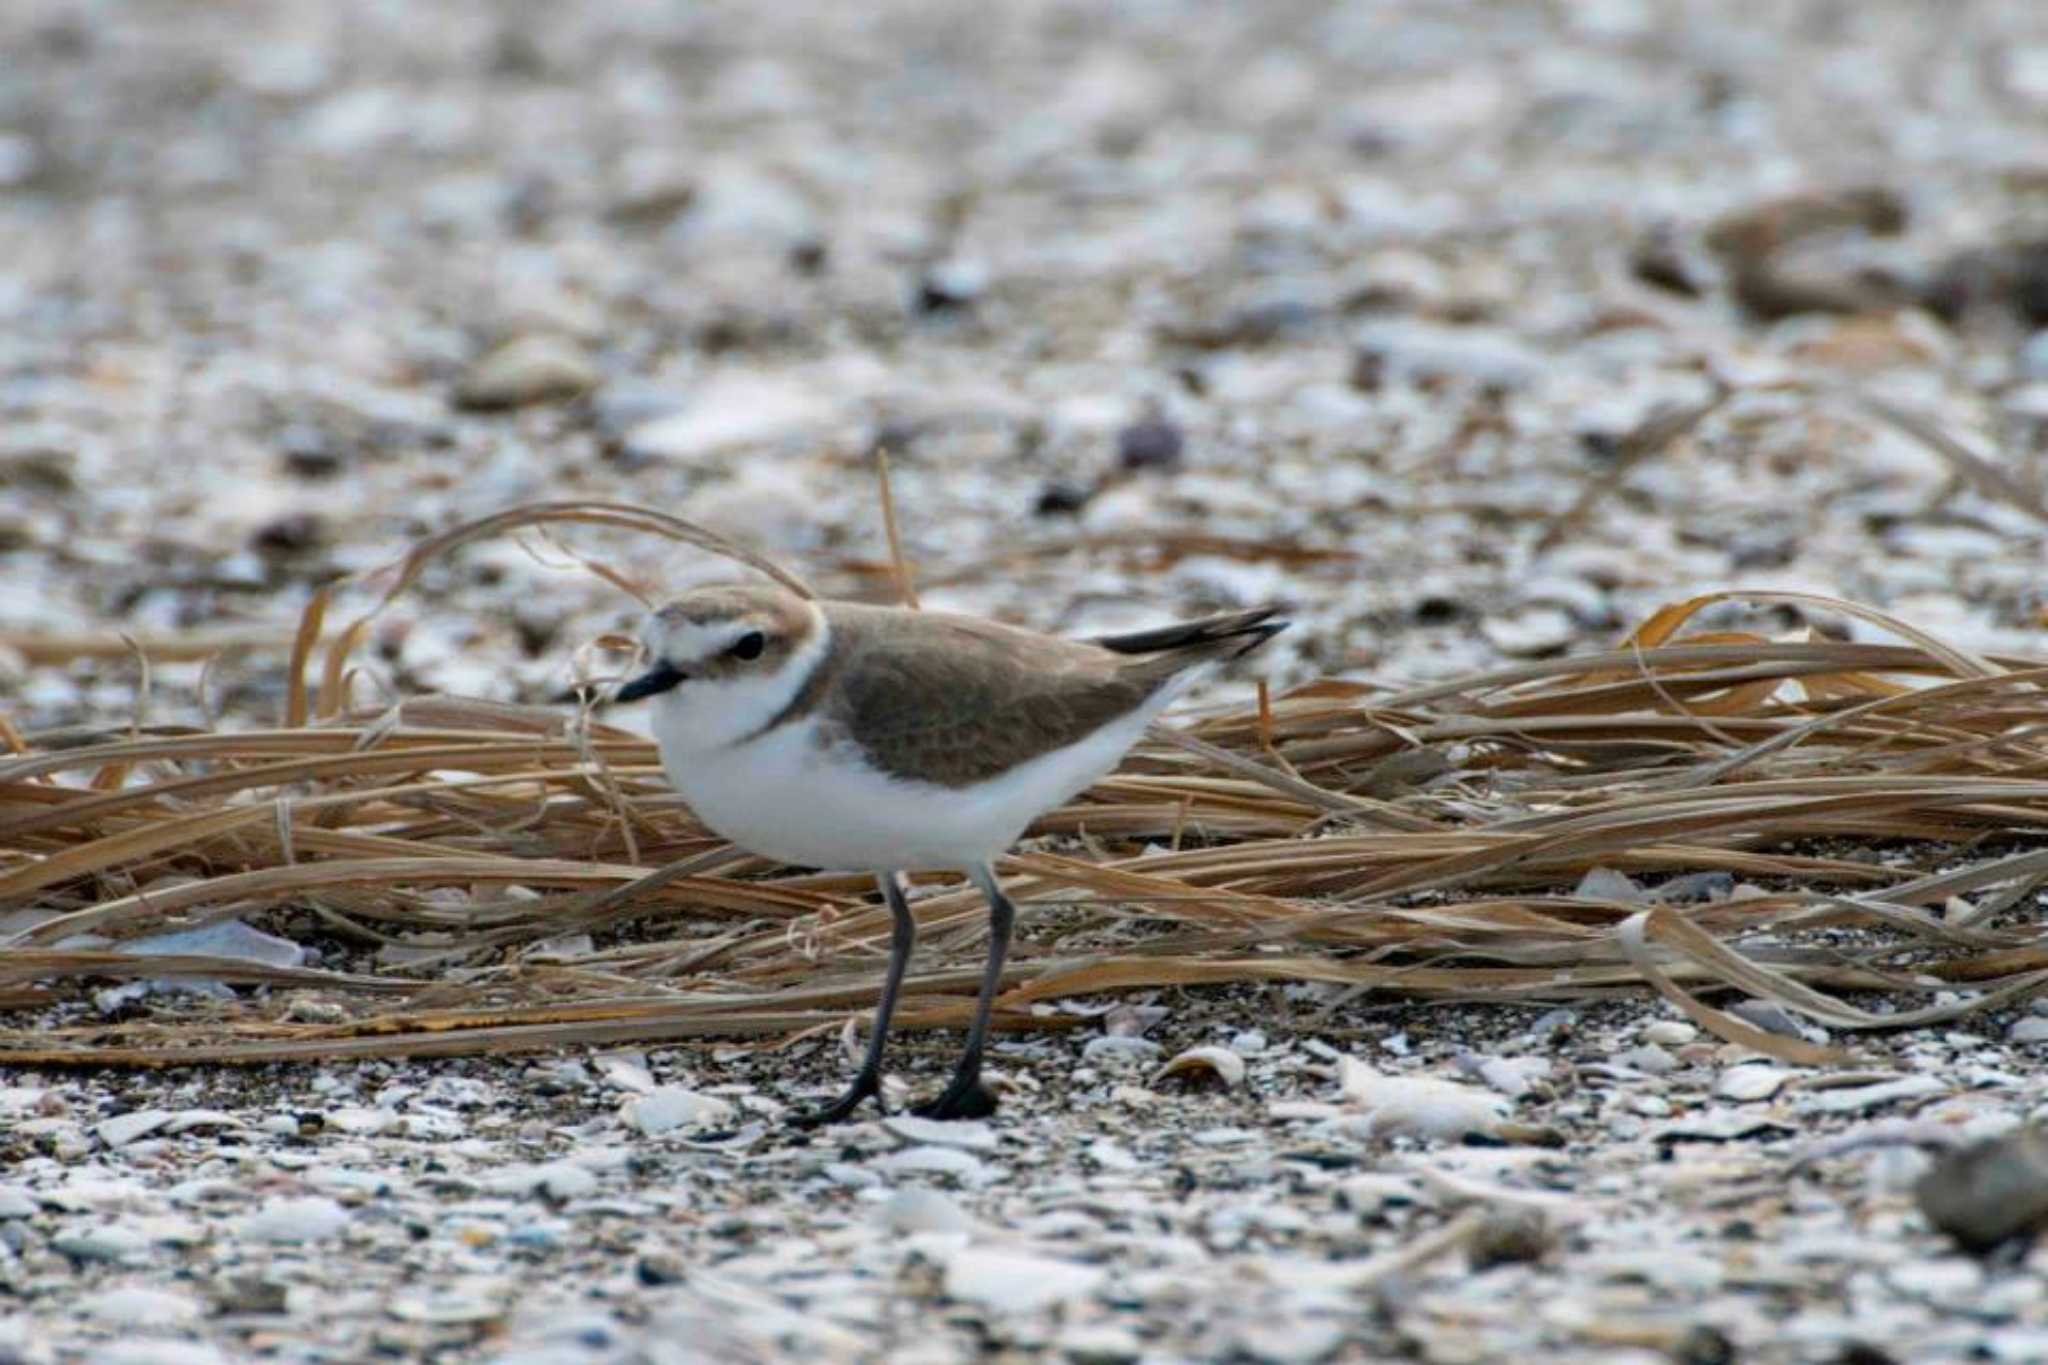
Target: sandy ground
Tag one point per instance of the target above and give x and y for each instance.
(1159, 307)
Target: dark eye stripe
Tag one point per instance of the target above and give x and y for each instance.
(655, 681)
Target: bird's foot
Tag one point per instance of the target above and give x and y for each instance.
(864, 1087)
(965, 1098)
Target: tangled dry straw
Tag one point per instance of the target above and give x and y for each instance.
(1880, 807)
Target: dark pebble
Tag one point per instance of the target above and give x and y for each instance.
(1659, 263)
(1703, 1345)
(809, 257)
(1695, 887)
(1509, 1237)
(1438, 611)
(1154, 444)
(950, 286)
(1256, 324)
(658, 1268)
(290, 535)
(1990, 1194)
(309, 452)
(1768, 1017)
(249, 1294)
(1062, 499)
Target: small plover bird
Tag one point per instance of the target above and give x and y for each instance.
(849, 737)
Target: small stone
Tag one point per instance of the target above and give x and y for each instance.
(1508, 1236)
(123, 1129)
(1290, 1340)
(942, 1161)
(1660, 260)
(1605, 884)
(1005, 1281)
(1695, 887)
(81, 1195)
(1154, 445)
(967, 1135)
(309, 452)
(658, 1268)
(1750, 1081)
(535, 1236)
(1119, 1049)
(134, 1307)
(313, 1218)
(950, 285)
(151, 1350)
(190, 1120)
(113, 1243)
(1861, 1099)
(849, 1175)
(922, 1210)
(1703, 1345)
(538, 368)
(735, 409)
(2032, 1029)
(250, 1294)
(1099, 1343)
(1649, 1059)
(1720, 1125)
(1767, 1016)
(1510, 1076)
(1256, 322)
(560, 1181)
(1424, 353)
(1945, 1281)
(1108, 1156)
(1670, 1033)
(20, 159)
(1062, 498)
(450, 1304)
(293, 534)
(16, 1203)
(1534, 633)
(669, 1108)
(621, 408)
(362, 1121)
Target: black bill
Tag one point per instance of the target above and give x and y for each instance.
(657, 679)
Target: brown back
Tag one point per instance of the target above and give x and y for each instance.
(957, 699)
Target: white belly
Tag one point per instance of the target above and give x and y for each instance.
(784, 797)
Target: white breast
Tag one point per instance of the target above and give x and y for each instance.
(786, 796)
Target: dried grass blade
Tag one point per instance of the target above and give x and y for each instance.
(1632, 935)
(311, 620)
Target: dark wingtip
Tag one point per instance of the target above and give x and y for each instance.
(1259, 634)
(1255, 624)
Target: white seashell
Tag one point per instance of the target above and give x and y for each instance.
(1750, 1081)
(671, 1107)
(1220, 1062)
(1423, 1106)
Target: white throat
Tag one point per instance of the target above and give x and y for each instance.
(706, 714)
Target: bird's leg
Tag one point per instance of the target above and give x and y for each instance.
(902, 938)
(964, 1097)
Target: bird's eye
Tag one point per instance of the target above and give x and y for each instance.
(749, 646)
